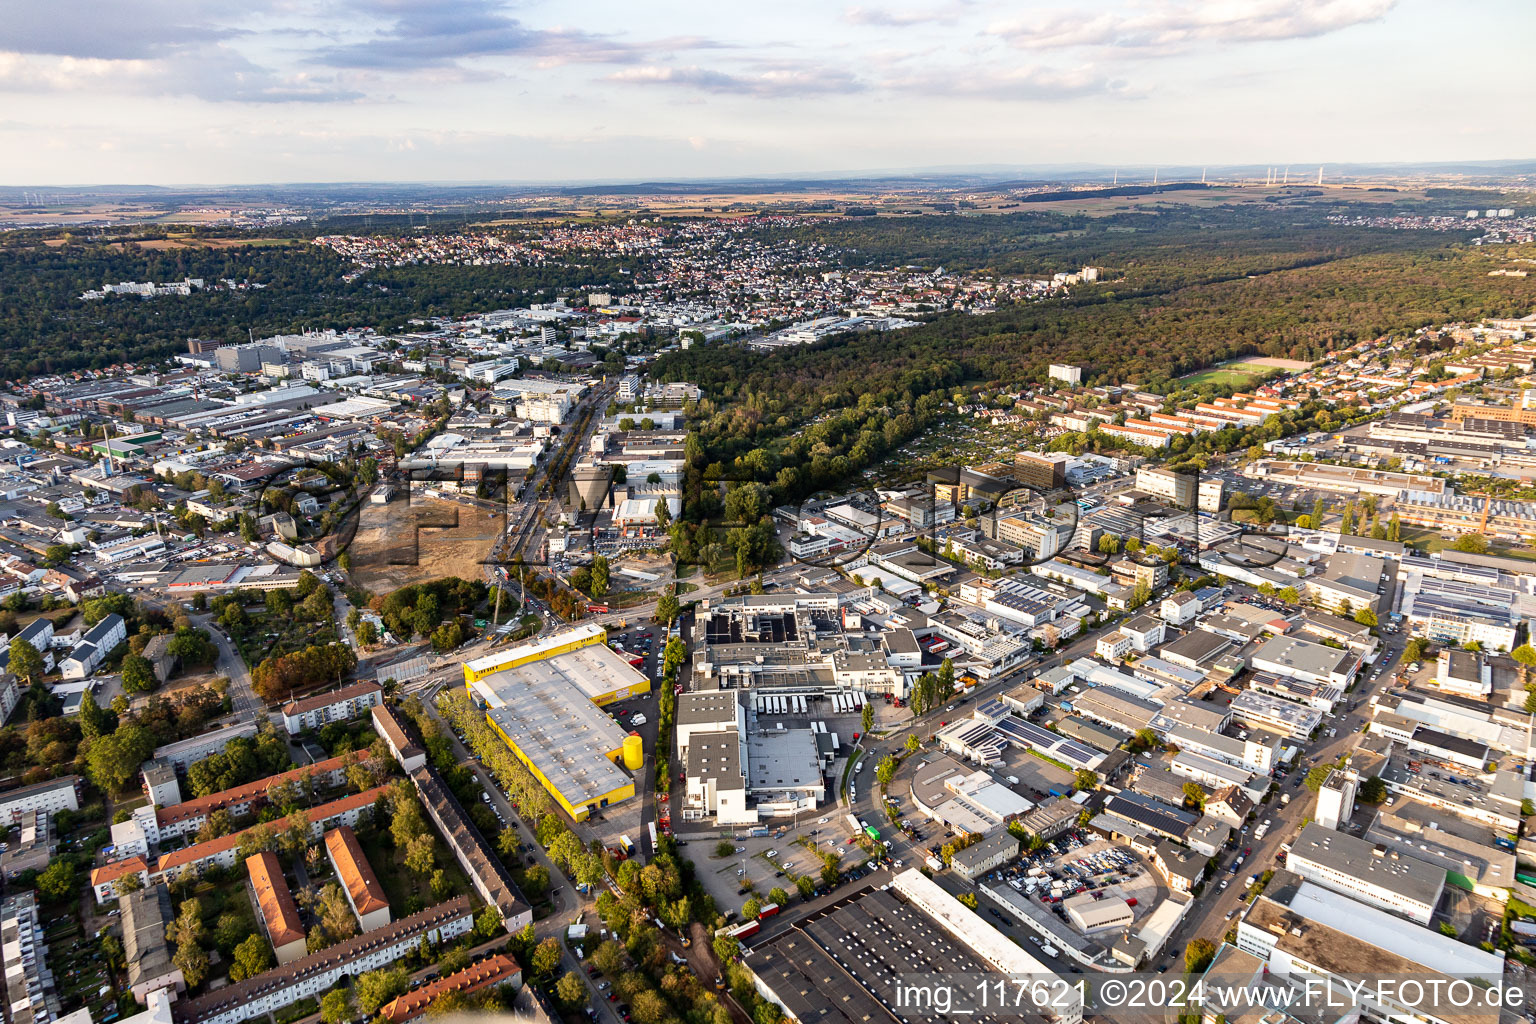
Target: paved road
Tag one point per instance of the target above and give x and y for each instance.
(244, 704)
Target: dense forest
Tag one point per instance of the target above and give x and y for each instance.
(1195, 291)
(45, 326)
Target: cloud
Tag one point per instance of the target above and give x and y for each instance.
(212, 74)
(121, 30)
(1026, 83)
(770, 82)
(147, 47)
(421, 34)
(879, 17)
(1165, 28)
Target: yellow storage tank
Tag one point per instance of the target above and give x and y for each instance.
(634, 752)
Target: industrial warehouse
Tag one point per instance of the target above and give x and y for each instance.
(543, 698)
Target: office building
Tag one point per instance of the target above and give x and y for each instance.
(1373, 874)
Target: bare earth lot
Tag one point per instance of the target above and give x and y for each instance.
(426, 539)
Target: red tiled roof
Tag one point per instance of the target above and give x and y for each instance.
(117, 869)
(356, 874)
(324, 700)
(490, 971)
(244, 794)
(274, 899)
(202, 851)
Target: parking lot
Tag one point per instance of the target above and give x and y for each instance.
(1078, 863)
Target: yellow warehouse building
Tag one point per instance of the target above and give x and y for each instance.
(544, 698)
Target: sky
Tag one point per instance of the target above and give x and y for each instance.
(254, 91)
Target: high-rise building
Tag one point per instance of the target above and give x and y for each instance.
(1175, 488)
(1043, 470)
(1066, 374)
(1336, 799)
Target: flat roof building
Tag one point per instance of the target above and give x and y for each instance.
(1372, 873)
(544, 699)
(867, 942)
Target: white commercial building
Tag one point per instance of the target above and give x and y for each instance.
(1370, 873)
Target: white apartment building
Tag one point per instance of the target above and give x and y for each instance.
(337, 706)
(48, 797)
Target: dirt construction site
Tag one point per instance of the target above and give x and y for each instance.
(402, 542)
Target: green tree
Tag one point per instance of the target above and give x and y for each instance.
(56, 882)
(336, 1006)
(751, 908)
(1198, 955)
(138, 674)
(667, 609)
(725, 848)
(1365, 616)
(913, 744)
(114, 758)
(1373, 790)
(193, 963)
(1414, 649)
(1472, 543)
(600, 581)
(375, 988)
(1109, 544)
(93, 720)
(571, 990)
(1085, 779)
(1289, 595)
(1194, 796)
(26, 664)
(252, 956)
(885, 771)
(1525, 658)
(546, 957)
(867, 718)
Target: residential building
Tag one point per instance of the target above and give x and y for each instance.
(358, 881)
(311, 976)
(336, 706)
(51, 797)
(146, 914)
(400, 742)
(98, 642)
(496, 969)
(276, 910)
(29, 982)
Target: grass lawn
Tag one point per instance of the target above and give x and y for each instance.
(408, 892)
(1430, 541)
(1231, 376)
